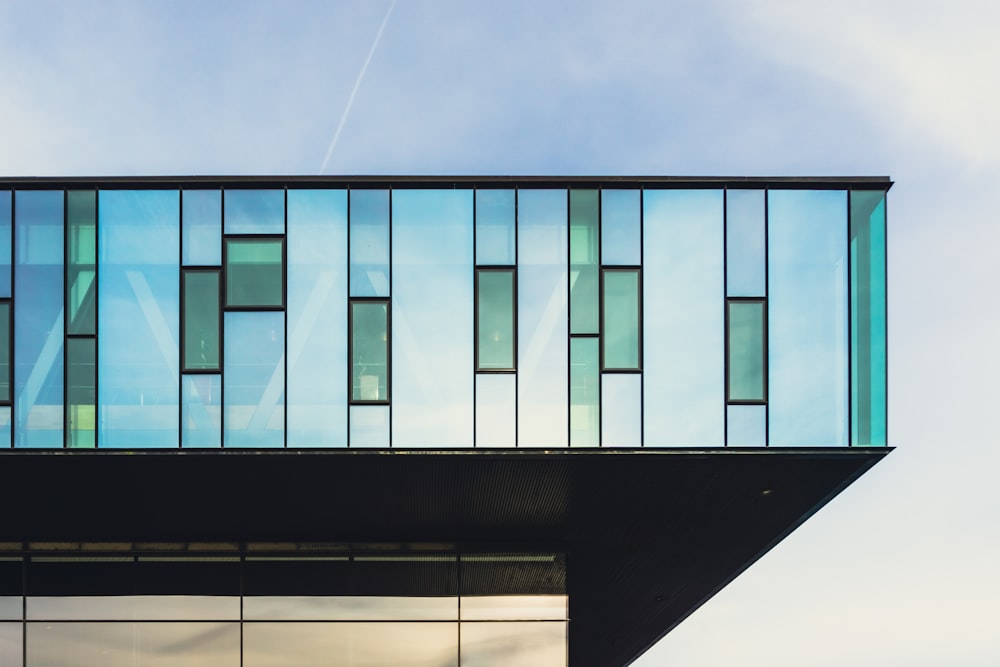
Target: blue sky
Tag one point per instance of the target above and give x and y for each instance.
(899, 570)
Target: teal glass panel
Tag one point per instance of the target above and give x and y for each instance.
(621, 410)
(542, 319)
(139, 318)
(621, 227)
(201, 320)
(253, 379)
(684, 313)
(495, 214)
(11, 644)
(81, 392)
(496, 410)
(499, 644)
(746, 425)
(81, 255)
(433, 320)
(201, 410)
(747, 350)
(868, 315)
(6, 203)
(369, 351)
(255, 272)
(369, 426)
(5, 433)
(584, 259)
(622, 346)
(5, 341)
(807, 318)
(254, 211)
(495, 324)
(584, 392)
(317, 318)
(202, 227)
(369, 234)
(745, 239)
(38, 318)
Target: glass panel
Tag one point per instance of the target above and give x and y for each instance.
(495, 243)
(495, 326)
(745, 240)
(254, 273)
(38, 318)
(134, 607)
(369, 426)
(621, 320)
(746, 426)
(807, 317)
(255, 211)
(684, 391)
(514, 607)
(369, 233)
(5, 352)
(5, 242)
(432, 318)
(81, 252)
(584, 257)
(254, 379)
(543, 341)
(868, 312)
(139, 293)
(747, 379)
(496, 410)
(201, 411)
(621, 227)
(202, 216)
(81, 392)
(584, 392)
(201, 320)
(11, 608)
(5, 434)
(369, 351)
(528, 644)
(349, 608)
(11, 645)
(317, 318)
(621, 410)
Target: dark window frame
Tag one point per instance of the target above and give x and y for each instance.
(9, 401)
(494, 268)
(280, 238)
(183, 319)
(350, 350)
(622, 269)
(764, 350)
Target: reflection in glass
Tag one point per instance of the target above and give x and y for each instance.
(369, 351)
(138, 318)
(369, 234)
(81, 392)
(254, 379)
(495, 319)
(202, 227)
(38, 318)
(6, 201)
(515, 607)
(584, 392)
(5, 341)
(531, 644)
(683, 312)
(542, 349)
(745, 243)
(369, 426)
(584, 258)
(807, 317)
(621, 319)
(621, 410)
(255, 211)
(495, 227)
(621, 227)
(11, 645)
(254, 272)
(496, 410)
(81, 255)
(349, 608)
(201, 411)
(133, 607)
(746, 425)
(201, 319)
(11, 608)
(746, 345)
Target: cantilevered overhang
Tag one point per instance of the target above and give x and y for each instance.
(649, 534)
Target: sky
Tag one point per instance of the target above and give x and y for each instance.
(901, 569)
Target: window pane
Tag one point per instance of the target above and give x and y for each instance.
(81, 392)
(201, 416)
(747, 379)
(5, 434)
(745, 243)
(369, 426)
(4, 353)
(746, 425)
(254, 273)
(496, 410)
(255, 211)
(81, 253)
(584, 255)
(495, 330)
(254, 379)
(11, 646)
(495, 227)
(526, 644)
(369, 232)
(621, 320)
(621, 227)
(584, 392)
(621, 410)
(202, 216)
(369, 351)
(5, 242)
(201, 320)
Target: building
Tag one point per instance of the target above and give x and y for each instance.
(420, 420)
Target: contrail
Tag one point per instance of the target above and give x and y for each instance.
(354, 91)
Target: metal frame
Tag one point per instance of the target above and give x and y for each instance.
(512, 270)
(350, 352)
(730, 300)
(185, 272)
(622, 269)
(226, 238)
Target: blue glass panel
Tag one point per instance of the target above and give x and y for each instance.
(432, 318)
(317, 318)
(254, 211)
(5, 426)
(621, 228)
(369, 231)
(807, 317)
(254, 379)
(138, 318)
(496, 410)
(745, 243)
(369, 426)
(683, 318)
(746, 426)
(543, 341)
(621, 410)
(201, 411)
(38, 318)
(495, 227)
(5, 242)
(202, 237)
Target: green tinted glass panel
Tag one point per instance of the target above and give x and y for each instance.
(621, 320)
(747, 351)
(868, 329)
(81, 255)
(584, 254)
(4, 352)
(254, 273)
(369, 351)
(201, 320)
(495, 326)
(584, 392)
(81, 391)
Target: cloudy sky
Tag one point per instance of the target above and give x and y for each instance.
(899, 570)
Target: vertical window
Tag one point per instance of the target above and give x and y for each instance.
(200, 294)
(81, 391)
(255, 277)
(5, 353)
(495, 320)
(81, 269)
(495, 238)
(369, 329)
(201, 212)
(622, 347)
(584, 392)
(746, 350)
(584, 255)
(368, 228)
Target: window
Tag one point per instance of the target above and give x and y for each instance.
(746, 350)
(200, 328)
(5, 352)
(369, 329)
(622, 347)
(496, 347)
(255, 277)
